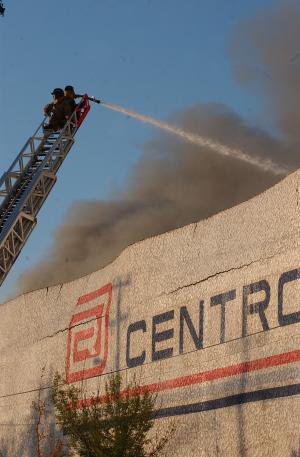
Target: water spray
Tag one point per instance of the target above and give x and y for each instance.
(264, 164)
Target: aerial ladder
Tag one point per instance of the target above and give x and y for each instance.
(28, 182)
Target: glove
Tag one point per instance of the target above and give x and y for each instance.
(47, 109)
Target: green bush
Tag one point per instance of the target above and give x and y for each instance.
(118, 426)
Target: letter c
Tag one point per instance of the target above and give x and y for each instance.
(140, 359)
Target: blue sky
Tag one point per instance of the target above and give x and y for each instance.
(153, 56)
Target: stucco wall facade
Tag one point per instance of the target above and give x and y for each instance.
(207, 316)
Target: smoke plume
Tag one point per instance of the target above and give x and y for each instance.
(177, 183)
(266, 57)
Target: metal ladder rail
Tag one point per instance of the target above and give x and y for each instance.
(27, 153)
(10, 178)
(50, 164)
(22, 221)
(7, 180)
(44, 148)
(25, 160)
(19, 186)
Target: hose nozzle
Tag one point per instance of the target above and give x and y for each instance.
(92, 99)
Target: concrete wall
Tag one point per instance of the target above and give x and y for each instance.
(208, 316)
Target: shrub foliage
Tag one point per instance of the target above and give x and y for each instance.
(114, 425)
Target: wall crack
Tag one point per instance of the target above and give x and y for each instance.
(66, 329)
(221, 272)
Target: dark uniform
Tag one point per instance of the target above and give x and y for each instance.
(72, 103)
(59, 111)
(70, 96)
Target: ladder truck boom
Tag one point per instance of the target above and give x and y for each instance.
(29, 180)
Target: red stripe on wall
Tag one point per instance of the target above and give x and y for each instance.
(211, 375)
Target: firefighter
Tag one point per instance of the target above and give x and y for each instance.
(70, 96)
(59, 110)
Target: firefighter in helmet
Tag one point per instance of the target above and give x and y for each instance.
(70, 95)
(59, 110)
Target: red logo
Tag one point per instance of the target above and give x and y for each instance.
(88, 336)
